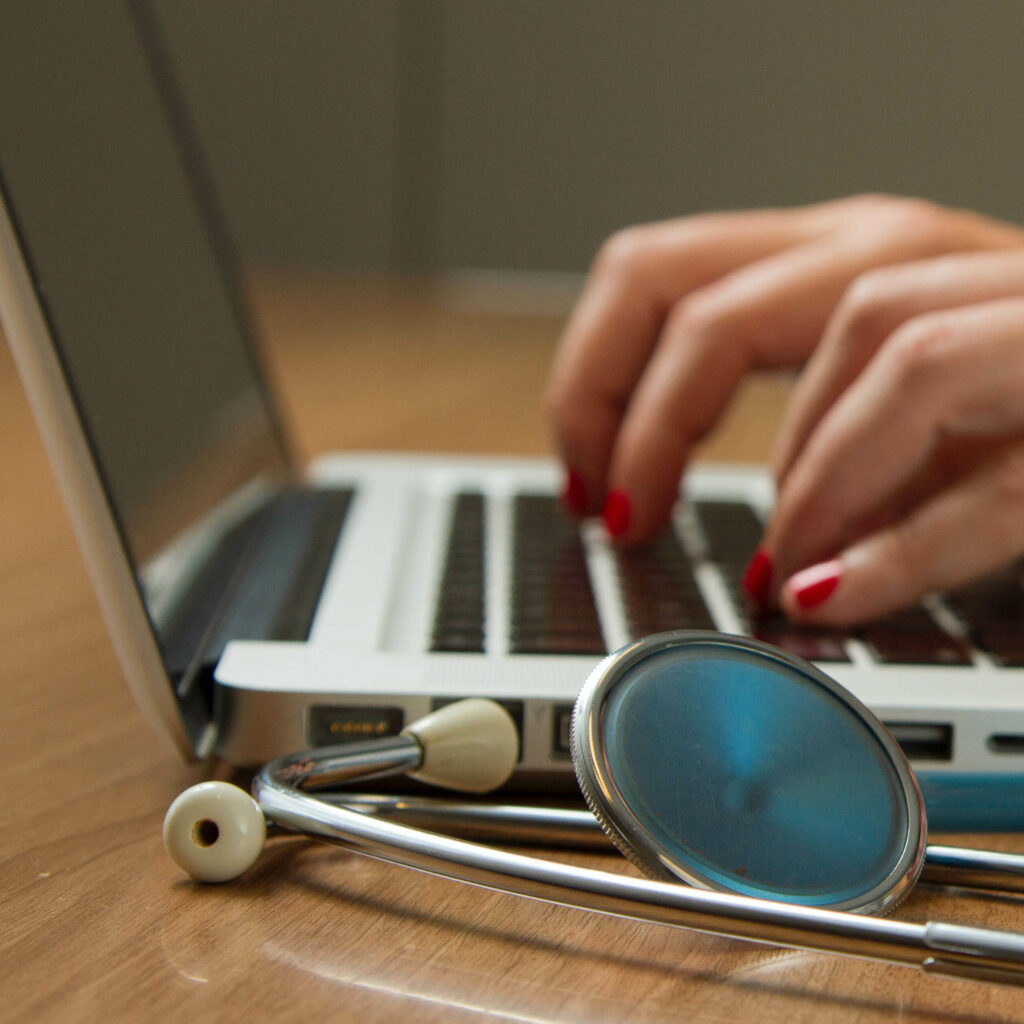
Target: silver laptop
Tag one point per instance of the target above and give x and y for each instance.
(259, 607)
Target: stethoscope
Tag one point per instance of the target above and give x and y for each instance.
(709, 759)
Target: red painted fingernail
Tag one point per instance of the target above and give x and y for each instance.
(616, 513)
(757, 579)
(813, 586)
(574, 494)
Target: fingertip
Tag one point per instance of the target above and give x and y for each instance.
(617, 514)
(810, 588)
(632, 519)
(575, 501)
(836, 593)
(865, 582)
(757, 579)
(644, 479)
(583, 444)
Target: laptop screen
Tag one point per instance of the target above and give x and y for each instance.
(107, 204)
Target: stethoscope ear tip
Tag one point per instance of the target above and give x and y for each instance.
(214, 831)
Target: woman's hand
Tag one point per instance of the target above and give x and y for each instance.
(900, 463)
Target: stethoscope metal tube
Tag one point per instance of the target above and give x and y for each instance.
(332, 767)
(508, 824)
(571, 827)
(936, 947)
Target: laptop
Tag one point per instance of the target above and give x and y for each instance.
(259, 607)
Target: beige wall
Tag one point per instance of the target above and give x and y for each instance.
(518, 133)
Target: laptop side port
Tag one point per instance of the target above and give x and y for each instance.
(1005, 743)
(328, 724)
(561, 726)
(923, 741)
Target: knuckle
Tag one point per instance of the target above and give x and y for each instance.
(710, 326)
(707, 318)
(698, 315)
(626, 253)
(917, 350)
(877, 203)
(869, 310)
(918, 223)
(900, 217)
(869, 202)
(909, 212)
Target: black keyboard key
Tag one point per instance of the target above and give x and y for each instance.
(898, 647)
(732, 531)
(995, 598)
(554, 643)
(460, 613)
(992, 611)
(913, 637)
(1003, 642)
(552, 600)
(659, 590)
(448, 640)
(814, 643)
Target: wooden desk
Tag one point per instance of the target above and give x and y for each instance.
(98, 925)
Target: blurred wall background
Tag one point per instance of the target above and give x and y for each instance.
(439, 134)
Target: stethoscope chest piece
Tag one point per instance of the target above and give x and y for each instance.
(733, 766)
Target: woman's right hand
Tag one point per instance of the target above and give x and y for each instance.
(674, 314)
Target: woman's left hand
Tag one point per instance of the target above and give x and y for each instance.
(900, 464)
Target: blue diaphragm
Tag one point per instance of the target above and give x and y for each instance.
(734, 766)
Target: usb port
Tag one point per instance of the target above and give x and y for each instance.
(561, 722)
(1006, 743)
(923, 741)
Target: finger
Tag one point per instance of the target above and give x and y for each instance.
(768, 314)
(938, 547)
(643, 271)
(637, 278)
(956, 373)
(872, 309)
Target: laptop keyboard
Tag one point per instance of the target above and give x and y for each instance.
(552, 606)
(552, 600)
(459, 620)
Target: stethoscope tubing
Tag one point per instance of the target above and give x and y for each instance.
(281, 790)
(571, 827)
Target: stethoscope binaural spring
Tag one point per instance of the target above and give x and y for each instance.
(708, 759)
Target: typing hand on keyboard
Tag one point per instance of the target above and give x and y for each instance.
(900, 464)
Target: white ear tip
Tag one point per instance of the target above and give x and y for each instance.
(214, 831)
(472, 745)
